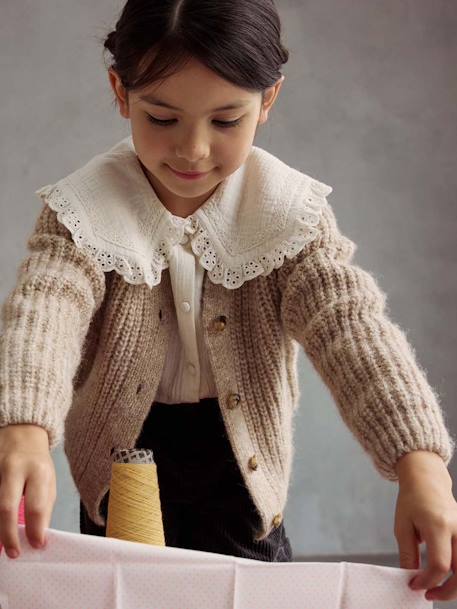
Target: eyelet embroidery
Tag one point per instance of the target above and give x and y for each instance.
(234, 277)
(219, 273)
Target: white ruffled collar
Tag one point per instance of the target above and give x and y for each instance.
(262, 212)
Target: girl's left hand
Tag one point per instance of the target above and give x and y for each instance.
(426, 511)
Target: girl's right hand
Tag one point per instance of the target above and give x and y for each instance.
(26, 468)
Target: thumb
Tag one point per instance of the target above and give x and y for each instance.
(408, 546)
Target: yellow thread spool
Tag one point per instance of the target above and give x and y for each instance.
(134, 510)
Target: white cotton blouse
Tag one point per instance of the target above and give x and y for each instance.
(187, 375)
(249, 224)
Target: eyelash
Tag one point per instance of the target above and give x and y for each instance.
(167, 123)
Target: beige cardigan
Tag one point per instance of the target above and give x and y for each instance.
(84, 339)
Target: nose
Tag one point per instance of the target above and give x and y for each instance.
(193, 148)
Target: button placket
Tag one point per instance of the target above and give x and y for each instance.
(183, 284)
(215, 324)
(233, 402)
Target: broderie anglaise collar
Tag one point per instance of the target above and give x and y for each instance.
(262, 212)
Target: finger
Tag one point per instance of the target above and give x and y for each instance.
(38, 505)
(448, 591)
(408, 547)
(439, 555)
(11, 489)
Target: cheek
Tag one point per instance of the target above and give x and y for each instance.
(235, 152)
(240, 144)
(151, 146)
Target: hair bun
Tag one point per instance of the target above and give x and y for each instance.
(110, 42)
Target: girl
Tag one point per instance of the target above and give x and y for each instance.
(170, 283)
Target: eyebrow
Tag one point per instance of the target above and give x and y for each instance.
(150, 99)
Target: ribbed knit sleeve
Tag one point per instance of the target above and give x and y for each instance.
(44, 322)
(337, 312)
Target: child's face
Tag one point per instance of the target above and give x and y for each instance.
(194, 140)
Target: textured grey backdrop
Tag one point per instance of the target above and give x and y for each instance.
(369, 105)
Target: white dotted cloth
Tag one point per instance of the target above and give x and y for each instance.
(76, 570)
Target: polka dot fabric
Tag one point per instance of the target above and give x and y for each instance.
(76, 570)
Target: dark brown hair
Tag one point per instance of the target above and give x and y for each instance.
(240, 40)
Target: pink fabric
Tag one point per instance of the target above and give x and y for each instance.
(76, 570)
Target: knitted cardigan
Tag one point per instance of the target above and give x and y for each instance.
(82, 350)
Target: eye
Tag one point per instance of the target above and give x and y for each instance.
(166, 123)
(158, 121)
(226, 124)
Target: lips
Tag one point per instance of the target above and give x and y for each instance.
(189, 173)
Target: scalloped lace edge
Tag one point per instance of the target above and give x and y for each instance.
(151, 270)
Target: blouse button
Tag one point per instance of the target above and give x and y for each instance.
(253, 462)
(185, 306)
(189, 228)
(233, 400)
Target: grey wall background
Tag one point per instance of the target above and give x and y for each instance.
(369, 105)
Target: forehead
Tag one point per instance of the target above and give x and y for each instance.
(195, 87)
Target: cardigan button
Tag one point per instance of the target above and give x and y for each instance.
(277, 520)
(220, 323)
(253, 462)
(233, 400)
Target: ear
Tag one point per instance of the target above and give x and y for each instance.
(270, 97)
(120, 93)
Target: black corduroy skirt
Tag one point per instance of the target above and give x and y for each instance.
(204, 500)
